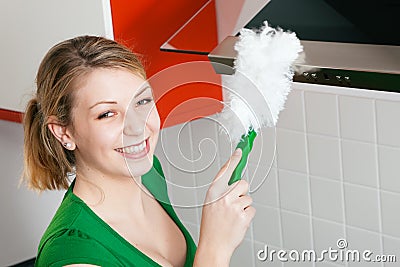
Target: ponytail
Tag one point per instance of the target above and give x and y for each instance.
(46, 163)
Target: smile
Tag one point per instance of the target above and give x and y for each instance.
(133, 149)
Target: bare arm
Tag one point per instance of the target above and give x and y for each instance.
(227, 214)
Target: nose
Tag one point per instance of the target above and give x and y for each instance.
(134, 123)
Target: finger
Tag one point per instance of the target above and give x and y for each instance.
(226, 171)
(239, 188)
(220, 184)
(250, 212)
(245, 202)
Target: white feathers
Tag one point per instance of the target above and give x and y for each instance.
(262, 80)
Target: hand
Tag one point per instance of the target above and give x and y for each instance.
(227, 214)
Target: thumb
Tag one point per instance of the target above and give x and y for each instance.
(220, 182)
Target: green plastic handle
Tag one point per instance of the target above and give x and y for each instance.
(246, 144)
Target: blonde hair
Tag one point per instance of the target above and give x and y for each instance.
(46, 162)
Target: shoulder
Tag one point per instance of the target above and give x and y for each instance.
(72, 246)
(67, 241)
(65, 216)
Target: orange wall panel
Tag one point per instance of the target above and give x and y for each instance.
(144, 26)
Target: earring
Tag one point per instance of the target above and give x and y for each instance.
(67, 145)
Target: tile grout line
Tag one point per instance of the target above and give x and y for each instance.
(341, 169)
(378, 181)
(340, 181)
(193, 175)
(278, 195)
(310, 210)
(340, 138)
(327, 220)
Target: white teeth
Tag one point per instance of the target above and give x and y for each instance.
(133, 149)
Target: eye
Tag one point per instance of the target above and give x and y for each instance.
(106, 114)
(144, 101)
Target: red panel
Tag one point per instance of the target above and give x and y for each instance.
(9, 115)
(187, 91)
(195, 36)
(145, 26)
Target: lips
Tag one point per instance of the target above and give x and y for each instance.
(134, 151)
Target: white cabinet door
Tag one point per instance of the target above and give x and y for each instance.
(29, 28)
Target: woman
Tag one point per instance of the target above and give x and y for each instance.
(83, 123)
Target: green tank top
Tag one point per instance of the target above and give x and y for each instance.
(77, 235)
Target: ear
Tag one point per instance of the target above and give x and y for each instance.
(61, 133)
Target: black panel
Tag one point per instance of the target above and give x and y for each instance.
(352, 79)
(348, 21)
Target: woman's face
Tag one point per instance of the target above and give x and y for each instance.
(115, 124)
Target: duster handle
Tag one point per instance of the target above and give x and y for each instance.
(246, 144)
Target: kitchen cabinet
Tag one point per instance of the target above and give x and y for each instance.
(29, 29)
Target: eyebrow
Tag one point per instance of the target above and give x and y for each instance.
(115, 102)
(103, 102)
(142, 91)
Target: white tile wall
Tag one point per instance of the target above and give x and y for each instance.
(391, 247)
(362, 240)
(357, 118)
(327, 199)
(390, 213)
(362, 207)
(326, 264)
(204, 146)
(243, 255)
(294, 191)
(297, 264)
(293, 116)
(264, 148)
(267, 226)
(175, 143)
(296, 231)
(321, 113)
(389, 168)
(388, 126)
(326, 234)
(291, 148)
(324, 156)
(359, 163)
(336, 174)
(225, 147)
(206, 155)
(265, 193)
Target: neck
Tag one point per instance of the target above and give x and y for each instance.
(110, 197)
